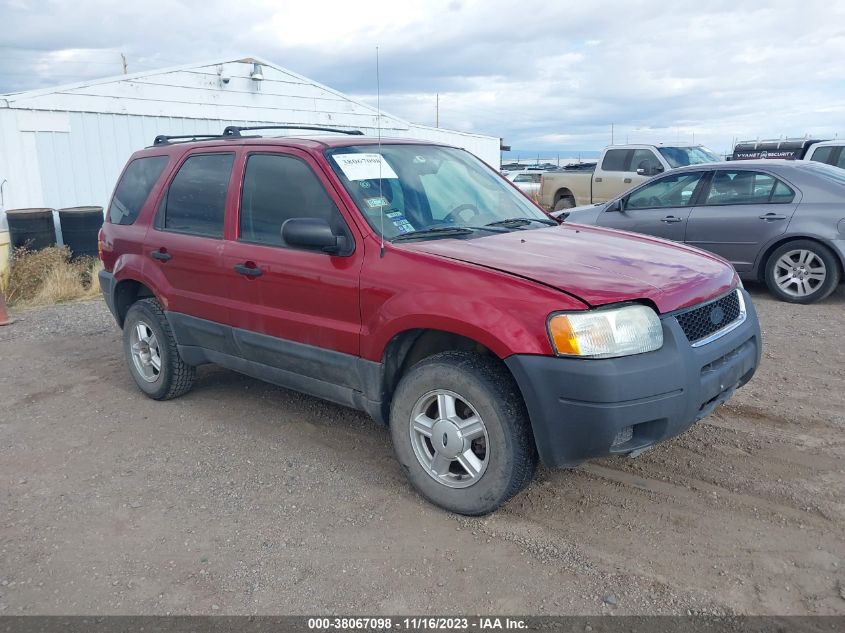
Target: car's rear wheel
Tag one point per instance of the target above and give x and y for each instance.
(461, 432)
(566, 202)
(802, 271)
(151, 352)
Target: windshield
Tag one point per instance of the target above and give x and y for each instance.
(683, 156)
(422, 187)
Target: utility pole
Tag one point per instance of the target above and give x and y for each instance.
(611, 133)
(123, 59)
(437, 111)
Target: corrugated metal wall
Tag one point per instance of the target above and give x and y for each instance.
(66, 147)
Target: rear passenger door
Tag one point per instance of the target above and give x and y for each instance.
(184, 248)
(304, 302)
(741, 212)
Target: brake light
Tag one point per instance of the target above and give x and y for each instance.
(100, 245)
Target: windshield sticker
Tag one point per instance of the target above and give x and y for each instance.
(364, 166)
(400, 221)
(377, 202)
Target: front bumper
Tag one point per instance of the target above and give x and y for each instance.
(583, 408)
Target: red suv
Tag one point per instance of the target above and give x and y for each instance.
(411, 281)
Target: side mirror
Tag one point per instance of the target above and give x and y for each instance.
(313, 233)
(615, 205)
(651, 170)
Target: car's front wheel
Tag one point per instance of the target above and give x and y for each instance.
(461, 432)
(802, 271)
(151, 353)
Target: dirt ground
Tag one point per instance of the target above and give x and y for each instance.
(244, 498)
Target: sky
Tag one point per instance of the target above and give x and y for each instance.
(549, 76)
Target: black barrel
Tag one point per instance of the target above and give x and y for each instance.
(31, 228)
(80, 226)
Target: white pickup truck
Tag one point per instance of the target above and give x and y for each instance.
(620, 168)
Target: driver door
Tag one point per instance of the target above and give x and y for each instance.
(661, 208)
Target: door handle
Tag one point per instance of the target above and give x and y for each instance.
(772, 216)
(249, 269)
(161, 255)
(598, 179)
(627, 180)
(671, 219)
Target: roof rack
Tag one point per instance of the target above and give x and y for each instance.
(162, 139)
(235, 130)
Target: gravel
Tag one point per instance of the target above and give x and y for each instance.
(243, 498)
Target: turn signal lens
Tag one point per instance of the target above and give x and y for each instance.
(633, 329)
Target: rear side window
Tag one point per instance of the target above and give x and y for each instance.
(615, 159)
(134, 188)
(747, 187)
(277, 188)
(196, 200)
(823, 155)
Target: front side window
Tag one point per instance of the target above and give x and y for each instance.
(746, 187)
(277, 188)
(615, 160)
(416, 188)
(134, 188)
(675, 190)
(644, 159)
(196, 199)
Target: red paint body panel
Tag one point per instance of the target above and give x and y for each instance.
(600, 266)
(498, 289)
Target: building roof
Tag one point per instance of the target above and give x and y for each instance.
(198, 91)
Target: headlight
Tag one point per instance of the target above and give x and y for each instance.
(632, 329)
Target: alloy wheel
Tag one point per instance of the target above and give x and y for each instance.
(449, 439)
(799, 272)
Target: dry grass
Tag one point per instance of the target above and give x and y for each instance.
(50, 276)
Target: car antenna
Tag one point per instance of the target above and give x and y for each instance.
(380, 158)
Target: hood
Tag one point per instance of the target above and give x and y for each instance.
(597, 265)
(579, 209)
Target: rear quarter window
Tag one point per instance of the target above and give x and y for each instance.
(615, 159)
(134, 188)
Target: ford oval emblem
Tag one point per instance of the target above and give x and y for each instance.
(717, 315)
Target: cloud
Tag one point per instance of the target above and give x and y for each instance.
(540, 74)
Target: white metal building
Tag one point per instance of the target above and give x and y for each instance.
(65, 146)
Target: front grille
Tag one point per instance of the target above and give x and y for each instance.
(701, 321)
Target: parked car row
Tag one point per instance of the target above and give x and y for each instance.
(411, 281)
(782, 222)
(619, 168)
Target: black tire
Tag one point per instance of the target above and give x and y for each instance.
(175, 376)
(567, 202)
(822, 290)
(487, 385)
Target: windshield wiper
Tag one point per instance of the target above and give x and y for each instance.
(445, 231)
(521, 222)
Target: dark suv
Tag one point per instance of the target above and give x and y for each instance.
(411, 281)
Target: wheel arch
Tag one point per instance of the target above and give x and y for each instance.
(408, 347)
(563, 192)
(760, 269)
(126, 292)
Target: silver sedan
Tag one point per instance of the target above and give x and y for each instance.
(781, 222)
